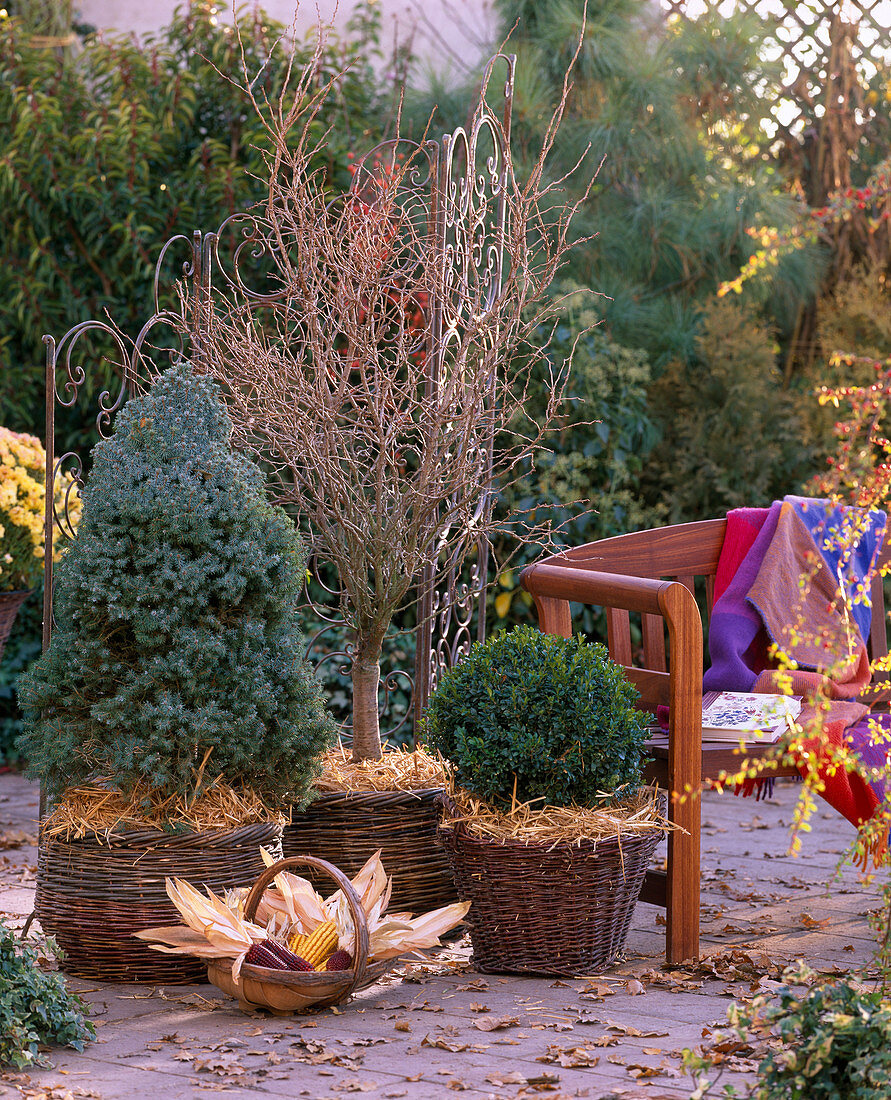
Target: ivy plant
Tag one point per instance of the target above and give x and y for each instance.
(554, 714)
(831, 1041)
(36, 1008)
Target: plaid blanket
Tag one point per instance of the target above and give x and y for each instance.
(786, 576)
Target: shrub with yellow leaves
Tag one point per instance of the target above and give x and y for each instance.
(22, 502)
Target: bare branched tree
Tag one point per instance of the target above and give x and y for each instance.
(388, 351)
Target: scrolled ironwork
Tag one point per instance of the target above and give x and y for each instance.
(62, 520)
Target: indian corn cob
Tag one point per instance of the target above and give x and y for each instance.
(297, 941)
(320, 944)
(340, 960)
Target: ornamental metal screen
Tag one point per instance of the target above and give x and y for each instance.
(459, 191)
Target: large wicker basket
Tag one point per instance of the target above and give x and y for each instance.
(285, 991)
(540, 908)
(92, 895)
(10, 602)
(347, 828)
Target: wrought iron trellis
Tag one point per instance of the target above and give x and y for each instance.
(463, 192)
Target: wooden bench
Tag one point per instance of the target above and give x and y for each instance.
(654, 573)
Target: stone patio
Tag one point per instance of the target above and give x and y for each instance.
(444, 1029)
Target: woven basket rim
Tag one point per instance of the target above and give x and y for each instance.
(315, 981)
(137, 837)
(369, 797)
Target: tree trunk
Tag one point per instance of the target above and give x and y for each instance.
(366, 676)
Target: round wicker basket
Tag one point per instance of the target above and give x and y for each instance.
(347, 828)
(540, 908)
(285, 991)
(92, 895)
(10, 602)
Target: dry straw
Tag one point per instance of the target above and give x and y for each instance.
(102, 811)
(635, 815)
(395, 771)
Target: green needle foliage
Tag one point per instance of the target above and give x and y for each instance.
(35, 1007)
(554, 714)
(177, 632)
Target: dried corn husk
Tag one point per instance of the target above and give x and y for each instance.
(217, 929)
(295, 903)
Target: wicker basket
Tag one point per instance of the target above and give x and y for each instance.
(285, 991)
(92, 895)
(541, 908)
(10, 602)
(347, 828)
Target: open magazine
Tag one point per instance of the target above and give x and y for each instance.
(747, 716)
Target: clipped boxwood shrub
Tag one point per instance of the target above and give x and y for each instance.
(556, 713)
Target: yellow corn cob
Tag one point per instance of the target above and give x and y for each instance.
(296, 942)
(320, 944)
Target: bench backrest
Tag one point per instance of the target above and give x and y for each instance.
(685, 552)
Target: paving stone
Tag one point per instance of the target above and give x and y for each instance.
(419, 1038)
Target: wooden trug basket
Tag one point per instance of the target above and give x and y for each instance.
(285, 991)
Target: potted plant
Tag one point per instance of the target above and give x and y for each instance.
(548, 829)
(173, 712)
(22, 507)
(373, 374)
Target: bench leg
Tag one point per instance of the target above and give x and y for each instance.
(683, 882)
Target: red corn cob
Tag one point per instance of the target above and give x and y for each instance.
(291, 961)
(260, 955)
(340, 960)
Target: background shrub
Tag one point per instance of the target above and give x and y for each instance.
(555, 713)
(107, 152)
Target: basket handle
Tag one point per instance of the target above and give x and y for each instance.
(360, 924)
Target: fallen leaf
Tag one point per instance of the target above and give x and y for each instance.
(570, 1057)
(811, 922)
(514, 1077)
(455, 1046)
(224, 1065)
(633, 1032)
(596, 991)
(494, 1023)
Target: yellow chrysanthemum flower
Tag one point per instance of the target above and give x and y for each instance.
(22, 506)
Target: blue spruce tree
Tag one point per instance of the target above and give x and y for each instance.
(177, 634)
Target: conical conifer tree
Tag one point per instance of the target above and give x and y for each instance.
(177, 636)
